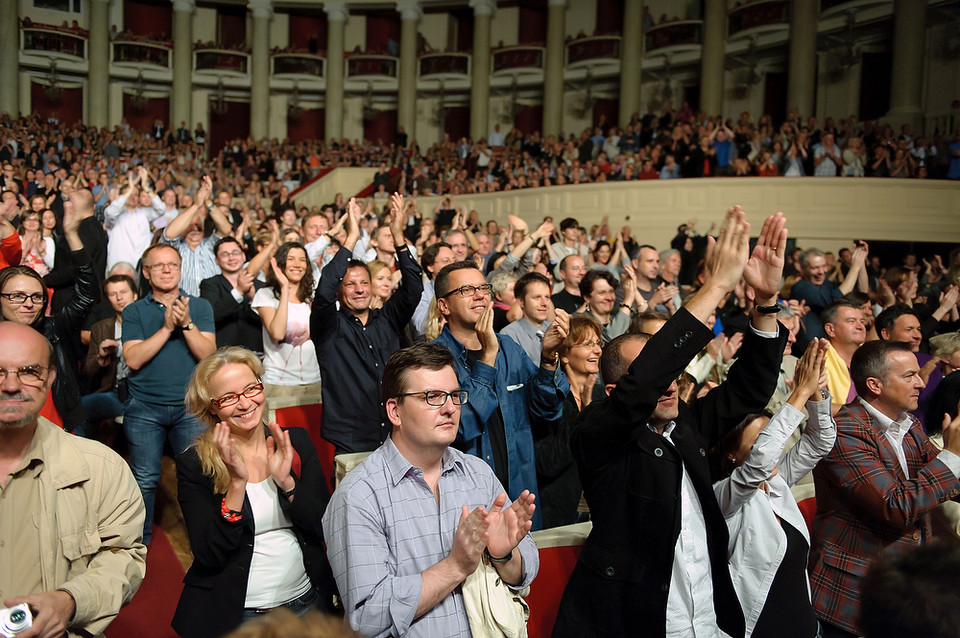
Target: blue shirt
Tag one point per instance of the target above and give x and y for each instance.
(522, 391)
(724, 149)
(163, 379)
(954, 171)
(384, 528)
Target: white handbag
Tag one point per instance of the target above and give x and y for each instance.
(494, 610)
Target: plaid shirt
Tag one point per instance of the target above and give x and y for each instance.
(866, 504)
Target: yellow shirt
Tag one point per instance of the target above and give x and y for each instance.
(19, 534)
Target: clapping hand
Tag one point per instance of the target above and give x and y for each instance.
(280, 457)
(228, 453)
(508, 525)
(765, 268)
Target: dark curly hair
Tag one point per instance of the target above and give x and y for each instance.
(305, 289)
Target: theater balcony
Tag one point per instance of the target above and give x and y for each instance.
(221, 61)
(830, 8)
(53, 42)
(759, 16)
(153, 55)
(518, 60)
(679, 36)
(298, 65)
(372, 70)
(599, 53)
(443, 66)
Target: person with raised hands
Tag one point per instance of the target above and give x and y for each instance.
(253, 496)
(408, 525)
(354, 341)
(655, 562)
(769, 541)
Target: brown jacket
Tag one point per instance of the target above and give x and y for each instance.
(102, 378)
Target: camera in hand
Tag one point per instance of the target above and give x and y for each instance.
(14, 620)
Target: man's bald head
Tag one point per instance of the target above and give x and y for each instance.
(12, 332)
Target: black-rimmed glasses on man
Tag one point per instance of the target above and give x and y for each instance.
(438, 398)
(469, 291)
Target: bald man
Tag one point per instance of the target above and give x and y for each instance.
(85, 507)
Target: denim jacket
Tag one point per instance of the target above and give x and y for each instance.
(524, 393)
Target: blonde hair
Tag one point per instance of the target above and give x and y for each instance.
(943, 346)
(435, 321)
(198, 402)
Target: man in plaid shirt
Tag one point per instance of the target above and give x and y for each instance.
(878, 486)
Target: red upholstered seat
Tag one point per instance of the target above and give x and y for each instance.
(559, 551)
(308, 418)
(808, 507)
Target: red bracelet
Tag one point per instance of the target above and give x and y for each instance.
(229, 514)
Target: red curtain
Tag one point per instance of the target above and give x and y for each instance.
(142, 119)
(529, 119)
(609, 110)
(309, 126)
(67, 108)
(231, 26)
(609, 17)
(464, 30)
(307, 30)
(152, 20)
(456, 122)
(380, 30)
(381, 128)
(233, 124)
(533, 29)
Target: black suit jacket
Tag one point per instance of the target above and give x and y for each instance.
(237, 323)
(215, 587)
(631, 479)
(63, 275)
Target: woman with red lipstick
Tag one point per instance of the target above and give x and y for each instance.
(253, 497)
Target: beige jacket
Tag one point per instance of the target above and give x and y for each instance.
(91, 524)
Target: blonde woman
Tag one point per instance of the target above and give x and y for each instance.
(252, 496)
(383, 281)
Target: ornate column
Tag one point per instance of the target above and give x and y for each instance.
(10, 57)
(333, 107)
(906, 80)
(480, 68)
(631, 47)
(98, 61)
(181, 99)
(553, 69)
(407, 95)
(712, 56)
(260, 69)
(802, 73)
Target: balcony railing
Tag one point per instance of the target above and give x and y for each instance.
(154, 54)
(298, 64)
(518, 58)
(444, 64)
(605, 47)
(671, 34)
(52, 40)
(221, 60)
(759, 13)
(364, 65)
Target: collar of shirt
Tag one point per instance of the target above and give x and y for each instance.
(149, 297)
(398, 467)
(667, 431)
(897, 429)
(33, 458)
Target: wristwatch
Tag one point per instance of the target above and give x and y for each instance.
(189, 326)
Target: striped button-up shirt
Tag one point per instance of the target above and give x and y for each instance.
(196, 265)
(384, 528)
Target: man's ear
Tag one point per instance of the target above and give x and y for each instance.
(609, 388)
(443, 307)
(885, 334)
(875, 385)
(830, 329)
(393, 411)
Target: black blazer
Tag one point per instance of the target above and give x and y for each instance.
(237, 323)
(215, 586)
(631, 479)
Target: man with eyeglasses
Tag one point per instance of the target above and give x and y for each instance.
(230, 294)
(407, 526)
(70, 512)
(354, 341)
(165, 334)
(507, 389)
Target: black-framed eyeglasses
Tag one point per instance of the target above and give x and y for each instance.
(32, 375)
(20, 297)
(232, 398)
(469, 291)
(438, 398)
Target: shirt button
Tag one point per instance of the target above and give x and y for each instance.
(703, 452)
(658, 452)
(609, 571)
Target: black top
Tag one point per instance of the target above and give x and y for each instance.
(495, 428)
(237, 323)
(352, 355)
(61, 278)
(787, 612)
(557, 476)
(566, 301)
